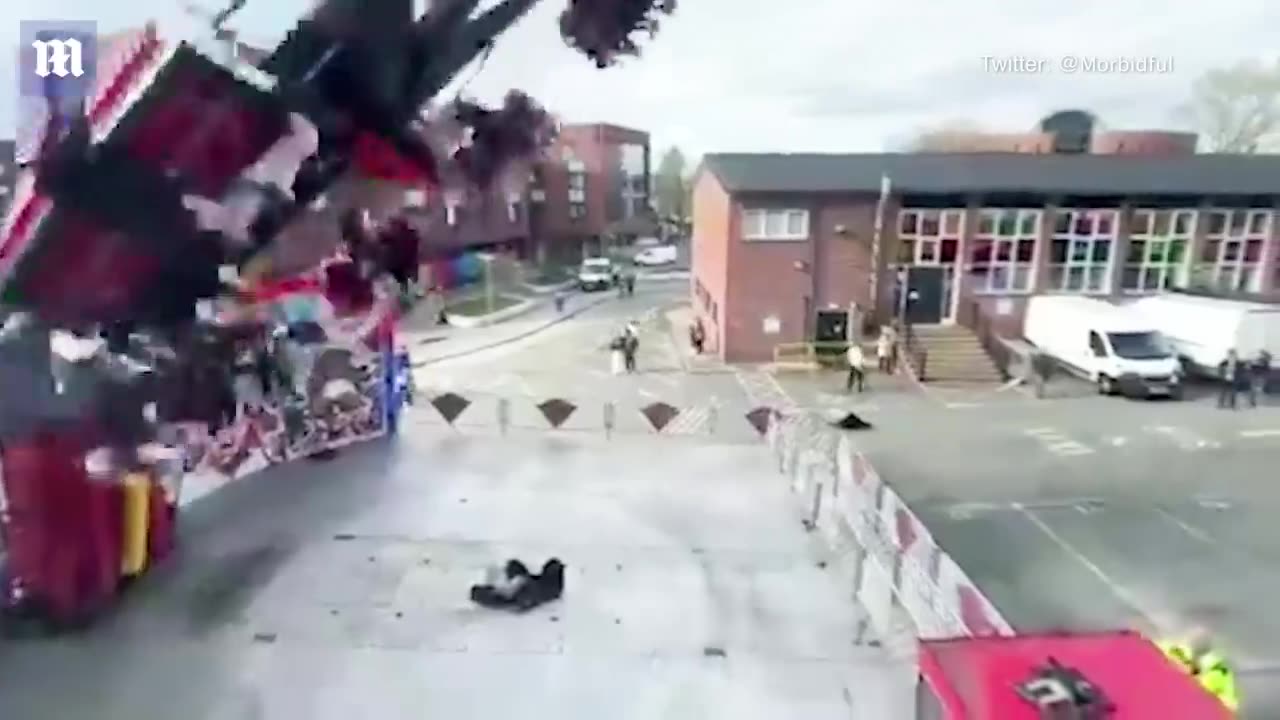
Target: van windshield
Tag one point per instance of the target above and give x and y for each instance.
(1139, 346)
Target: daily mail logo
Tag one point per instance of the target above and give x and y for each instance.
(58, 59)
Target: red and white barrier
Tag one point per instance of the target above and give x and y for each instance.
(901, 569)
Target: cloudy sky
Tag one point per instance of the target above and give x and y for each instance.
(822, 75)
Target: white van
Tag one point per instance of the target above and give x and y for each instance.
(656, 255)
(1103, 343)
(1202, 329)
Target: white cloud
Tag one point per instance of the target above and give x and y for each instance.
(831, 75)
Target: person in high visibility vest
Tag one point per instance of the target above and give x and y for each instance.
(1197, 657)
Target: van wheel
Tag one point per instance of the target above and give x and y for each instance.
(1106, 386)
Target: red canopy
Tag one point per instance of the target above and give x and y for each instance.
(974, 678)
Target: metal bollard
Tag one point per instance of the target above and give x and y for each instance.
(610, 412)
(504, 414)
(713, 414)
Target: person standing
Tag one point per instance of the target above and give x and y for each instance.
(884, 350)
(857, 369)
(630, 347)
(1231, 372)
(698, 336)
(1259, 375)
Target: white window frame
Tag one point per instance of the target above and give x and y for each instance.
(1095, 275)
(577, 210)
(920, 240)
(1167, 274)
(1019, 276)
(451, 213)
(1238, 274)
(789, 224)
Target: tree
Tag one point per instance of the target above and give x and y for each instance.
(671, 186)
(1236, 109)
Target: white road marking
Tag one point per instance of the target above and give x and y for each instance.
(762, 389)
(1260, 433)
(1119, 590)
(962, 405)
(1118, 441)
(1187, 527)
(1184, 438)
(647, 394)
(1058, 443)
(690, 421)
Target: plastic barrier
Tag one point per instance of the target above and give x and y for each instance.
(901, 571)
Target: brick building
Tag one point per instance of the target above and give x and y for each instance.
(779, 240)
(594, 182)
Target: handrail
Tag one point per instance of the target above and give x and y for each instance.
(977, 320)
(911, 349)
(811, 353)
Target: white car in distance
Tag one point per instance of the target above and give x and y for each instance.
(657, 255)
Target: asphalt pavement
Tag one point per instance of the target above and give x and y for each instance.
(1089, 512)
(570, 362)
(339, 590)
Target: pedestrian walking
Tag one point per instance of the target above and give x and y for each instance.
(857, 369)
(884, 349)
(697, 336)
(1231, 373)
(559, 301)
(1259, 376)
(631, 284)
(630, 347)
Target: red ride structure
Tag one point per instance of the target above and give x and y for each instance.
(167, 315)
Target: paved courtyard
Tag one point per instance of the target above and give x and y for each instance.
(570, 361)
(1093, 512)
(338, 590)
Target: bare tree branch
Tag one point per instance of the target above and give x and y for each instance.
(1237, 109)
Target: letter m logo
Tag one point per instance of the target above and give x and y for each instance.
(58, 60)
(60, 57)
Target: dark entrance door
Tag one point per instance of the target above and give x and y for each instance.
(924, 295)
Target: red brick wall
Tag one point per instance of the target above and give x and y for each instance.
(713, 228)
(597, 146)
(1144, 142)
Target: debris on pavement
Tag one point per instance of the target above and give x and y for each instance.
(513, 587)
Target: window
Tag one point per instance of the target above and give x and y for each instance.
(1231, 258)
(929, 237)
(451, 213)
(577, 188)
(1156, 258)
(775, 224)
(513, 211)
(1080, 254)
(1002, 257)
(577, 211)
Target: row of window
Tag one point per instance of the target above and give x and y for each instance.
(1001, 257)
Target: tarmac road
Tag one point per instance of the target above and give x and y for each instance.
(1089, 512)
